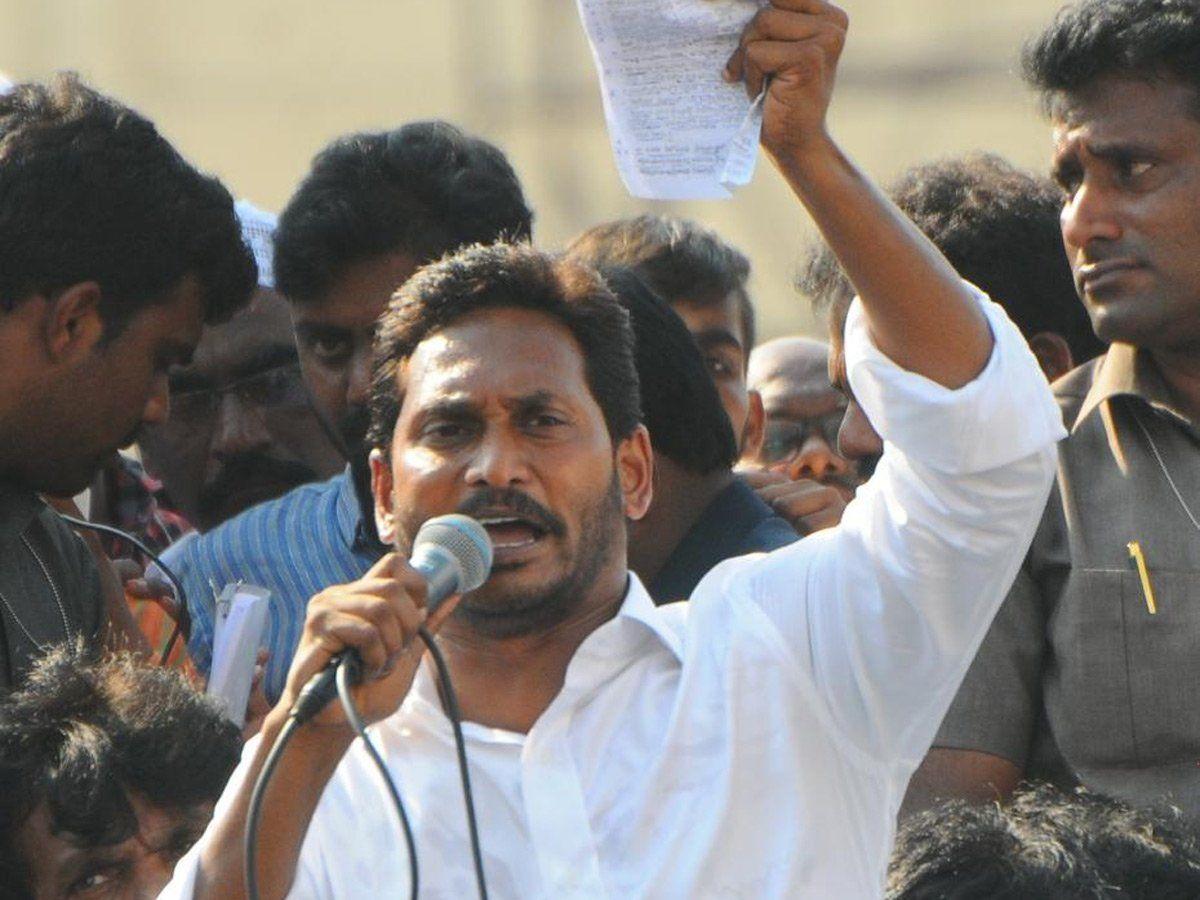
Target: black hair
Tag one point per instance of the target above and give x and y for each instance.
(681, 260)
(81, 734)
(1142, 39)
(90, 191)
(1044, 843)
(424, 189)
(999, 228)
(519, 277)
(681, 407)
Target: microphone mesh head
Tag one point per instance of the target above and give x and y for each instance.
(464, 539)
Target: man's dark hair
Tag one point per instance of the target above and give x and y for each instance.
(999, 228)
(1141, 39)
(679, 259)
(425, 189)
(90, 191)
(1045, 843)
(512, 276)
(681, 406)
(82, 734)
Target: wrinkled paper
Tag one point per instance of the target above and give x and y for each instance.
(678, 130)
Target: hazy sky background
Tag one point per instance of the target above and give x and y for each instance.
(251, 89)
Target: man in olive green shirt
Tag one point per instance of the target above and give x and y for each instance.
(1089, 673)
(116, 253)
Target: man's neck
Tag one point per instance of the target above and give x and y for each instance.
(680, 498)
(509, 682)
(1180, 371)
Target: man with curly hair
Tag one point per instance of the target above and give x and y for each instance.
(108, 774)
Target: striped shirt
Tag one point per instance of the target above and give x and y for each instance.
(295, 546)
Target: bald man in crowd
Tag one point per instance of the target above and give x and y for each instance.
(803, 412)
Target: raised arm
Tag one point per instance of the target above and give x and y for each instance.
(884, 613)
(919, 313)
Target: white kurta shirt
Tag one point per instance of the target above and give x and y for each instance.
(756, 741)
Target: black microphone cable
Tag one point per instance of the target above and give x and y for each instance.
(183, 623)
(311, 700)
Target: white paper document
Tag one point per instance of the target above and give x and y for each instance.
(237, 631)
(678, 130)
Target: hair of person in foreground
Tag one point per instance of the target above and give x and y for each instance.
(1045, 843)
(109, 769)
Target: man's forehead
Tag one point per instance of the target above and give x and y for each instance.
(502, 350)
(712, 316)
(265, 323)
(1121, 108)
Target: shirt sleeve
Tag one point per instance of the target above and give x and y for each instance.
(885, 612)
(997, 707)
(200, 602)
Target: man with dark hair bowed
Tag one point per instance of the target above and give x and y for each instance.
(109, 770)
(1088, 676)
(374, 208)
(704, 279)
(114, 253)
(754, 741)
(701, 514)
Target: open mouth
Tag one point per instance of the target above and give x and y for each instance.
(511, 532)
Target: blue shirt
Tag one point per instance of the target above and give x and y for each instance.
(295, 546)
(735, 523)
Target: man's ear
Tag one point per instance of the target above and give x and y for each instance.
(1053, 354)
(756, 425)
(635, 469)
(73, 325)
(381, 490)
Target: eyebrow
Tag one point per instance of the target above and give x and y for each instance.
(312, 329)
(717, 337)
(272, 356)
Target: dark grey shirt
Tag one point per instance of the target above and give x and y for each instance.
(1078, 682)
(49, 586)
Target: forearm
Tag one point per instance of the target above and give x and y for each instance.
(288, 806)
(919, 312)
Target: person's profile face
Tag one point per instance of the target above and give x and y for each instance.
(498, 422)
(334, 337)
(241, 428)
(105, 400)
(137, 868)
(857, 439)
(1127, 156)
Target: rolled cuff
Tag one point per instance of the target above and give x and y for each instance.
(1005, 414)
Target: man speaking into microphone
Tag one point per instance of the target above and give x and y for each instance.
(754, 742)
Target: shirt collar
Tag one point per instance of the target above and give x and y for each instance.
(18, 507)
(1126, 371)
(604, 653)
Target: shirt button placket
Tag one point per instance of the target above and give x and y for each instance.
(558, 822)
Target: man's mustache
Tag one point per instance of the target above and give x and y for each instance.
(508, 501)
(247, 471)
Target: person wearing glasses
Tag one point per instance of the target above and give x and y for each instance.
(242, 429)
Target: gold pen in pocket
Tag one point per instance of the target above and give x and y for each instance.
(1139, 558)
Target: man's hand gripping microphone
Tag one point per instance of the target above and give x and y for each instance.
(454, 553)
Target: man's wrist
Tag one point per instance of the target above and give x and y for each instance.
(807, 164)
(317, 742)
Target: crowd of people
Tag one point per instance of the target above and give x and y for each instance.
(907, 613)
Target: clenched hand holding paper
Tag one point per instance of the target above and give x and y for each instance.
(679, 132)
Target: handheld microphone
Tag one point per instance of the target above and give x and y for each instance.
(454, 553)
